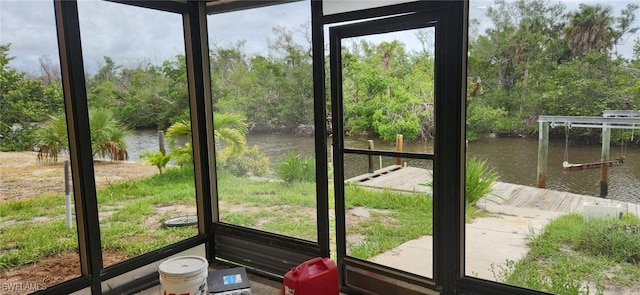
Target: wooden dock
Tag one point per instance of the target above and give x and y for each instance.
(397, 178)
(412, 179)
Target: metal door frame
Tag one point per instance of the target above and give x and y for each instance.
(447, 17)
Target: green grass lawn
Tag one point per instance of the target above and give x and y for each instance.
(131, 224)
(395, 218)
(565, 255)
(569, 253)
(31, 230)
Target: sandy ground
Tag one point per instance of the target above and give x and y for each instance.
(22, 177)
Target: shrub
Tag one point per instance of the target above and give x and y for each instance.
(183, 155)
(157, 158)
(107, 137)
(479, 178)
(293, 167)
(250, 162)
(20, 139)
(52, 138)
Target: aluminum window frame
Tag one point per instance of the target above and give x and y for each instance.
(92, 269)
(448, 158)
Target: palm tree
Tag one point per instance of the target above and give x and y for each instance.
(229, 134)
(591, 29)
(52, 139)
(230, 129)
(107, 137)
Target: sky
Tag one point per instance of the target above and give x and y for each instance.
(132, 35)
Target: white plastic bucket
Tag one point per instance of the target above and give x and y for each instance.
(184, 275)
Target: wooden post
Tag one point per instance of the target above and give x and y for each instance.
(370, 143)
(399, 148)
(604, 170)
(543, 149)
(161, 142)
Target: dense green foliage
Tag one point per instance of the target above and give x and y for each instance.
(146, 96)
(25, 100)
(537, 58)
(533, 58)
(20, 139)
(271, 90)
(387, 90)
(230, 139)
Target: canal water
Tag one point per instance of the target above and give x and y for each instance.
(514, 159)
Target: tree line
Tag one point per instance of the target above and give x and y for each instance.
(538, 58)
(534, 58)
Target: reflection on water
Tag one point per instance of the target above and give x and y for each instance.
(139, 141)
(514, 159)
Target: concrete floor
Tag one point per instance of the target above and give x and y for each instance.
(259, 286)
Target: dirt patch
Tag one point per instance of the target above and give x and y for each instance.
(47, 272)
(22, 177)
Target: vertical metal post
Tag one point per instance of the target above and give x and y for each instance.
(543, 149)
(200, 104)
(324, 128)
(77, 113)
(604, 170)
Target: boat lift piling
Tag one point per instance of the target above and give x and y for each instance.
(604, 169)
(612, 119)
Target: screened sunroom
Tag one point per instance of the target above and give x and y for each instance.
(263, 106)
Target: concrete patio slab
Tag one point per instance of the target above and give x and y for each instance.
(490, 242)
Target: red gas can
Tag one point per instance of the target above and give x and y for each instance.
(318, 276)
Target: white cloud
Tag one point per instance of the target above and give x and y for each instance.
(128, 34)
(30, 28)
(131, 34)
(255, 25)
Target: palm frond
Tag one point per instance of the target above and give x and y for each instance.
(182, 128)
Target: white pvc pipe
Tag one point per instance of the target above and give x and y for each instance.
(67, 202)
(67, 192)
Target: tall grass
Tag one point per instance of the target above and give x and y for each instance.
(617, 240)
(478, 179)
(570, 252)
(293, 167)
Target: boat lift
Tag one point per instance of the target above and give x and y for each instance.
(611, 119)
